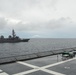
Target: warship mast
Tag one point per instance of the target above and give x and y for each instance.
(13, 33)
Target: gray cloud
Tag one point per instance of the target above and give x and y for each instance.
(37, 15)
(42, 26)
(40, 29)
(26, 9)
(3, 22)
(35, 26)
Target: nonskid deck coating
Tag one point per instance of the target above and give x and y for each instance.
(37, 66)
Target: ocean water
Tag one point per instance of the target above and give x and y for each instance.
(35, 46)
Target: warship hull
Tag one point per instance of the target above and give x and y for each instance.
(13, 40)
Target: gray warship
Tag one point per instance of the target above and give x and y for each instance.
(12, 38)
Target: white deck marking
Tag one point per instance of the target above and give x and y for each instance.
(51, 65)
(52, 72)
(36, 68)
(0, 70)
(4, 73)
(27, 72)
(29, 65)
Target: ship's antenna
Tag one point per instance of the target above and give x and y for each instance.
(13, 33)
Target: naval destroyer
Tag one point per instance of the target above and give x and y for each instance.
(12, 38)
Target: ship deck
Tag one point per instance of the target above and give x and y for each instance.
(51, 65)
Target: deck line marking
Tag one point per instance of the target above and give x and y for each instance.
(0, 70)
(4, 73)
(51, 65)
(29, 65)
(36, 68)
(52, 72)
(27, 72)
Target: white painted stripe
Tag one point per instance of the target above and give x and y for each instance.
(52, 72)
(0, 70)
(51, 65)
(27, 72)
(36, 68)
(4, 73)
(29, 65)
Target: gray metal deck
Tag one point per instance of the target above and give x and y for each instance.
(51, 65)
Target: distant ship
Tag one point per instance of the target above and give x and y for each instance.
(12, 38)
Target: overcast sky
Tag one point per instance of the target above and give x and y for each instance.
(38, 18)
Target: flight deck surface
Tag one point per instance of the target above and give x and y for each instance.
(51, 65)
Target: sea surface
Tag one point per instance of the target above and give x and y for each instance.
(35, 46)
